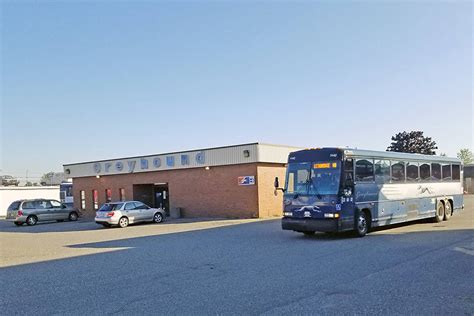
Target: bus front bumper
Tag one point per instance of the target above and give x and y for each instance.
(309, 224)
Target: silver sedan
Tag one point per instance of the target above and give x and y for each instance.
(127, 212)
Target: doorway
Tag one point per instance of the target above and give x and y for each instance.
(161, 197)
(153, 194)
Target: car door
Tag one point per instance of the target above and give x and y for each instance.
(57, 211)
(49, 210)
(131, 212)
(145, 212)
(38, 208)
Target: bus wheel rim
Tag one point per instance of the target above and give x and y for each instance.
(362, 223)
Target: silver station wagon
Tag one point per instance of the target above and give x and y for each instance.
(127, 212)
(33, 211)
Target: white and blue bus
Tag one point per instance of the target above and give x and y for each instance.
(335, 189)
(65, 194)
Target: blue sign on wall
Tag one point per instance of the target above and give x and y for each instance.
(247, 180)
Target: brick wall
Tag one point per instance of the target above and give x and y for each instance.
(198, 192)
(269, 204)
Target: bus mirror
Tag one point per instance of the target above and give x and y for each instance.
(276, 183)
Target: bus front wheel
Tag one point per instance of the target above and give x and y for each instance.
(439, 216)
(361, 224)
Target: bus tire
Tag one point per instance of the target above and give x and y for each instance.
(448, 211)
(439, 216)
(361, 223)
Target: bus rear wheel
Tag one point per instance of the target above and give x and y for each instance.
(439, 216)
(448, 210)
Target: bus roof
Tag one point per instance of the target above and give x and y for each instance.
(354, 152)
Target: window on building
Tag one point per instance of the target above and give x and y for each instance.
(412, 171)
(398, 171)
(425, 172)
(83, 200)
(382, 171)
(435, 171)
(122, 194)
(446, 172)
(108, 195)
(95, 199)
(456, 172)
(364, 170)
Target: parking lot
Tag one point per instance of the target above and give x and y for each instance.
(236, 267)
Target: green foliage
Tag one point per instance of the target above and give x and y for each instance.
(466, 156)
(413, 142)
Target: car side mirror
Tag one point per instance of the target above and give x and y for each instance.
(63, 206)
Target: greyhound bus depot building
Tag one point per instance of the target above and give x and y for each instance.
(229, 182)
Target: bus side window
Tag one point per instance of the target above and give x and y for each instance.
(412, 171)
(398, 171)
(435, 171)
(364, 170)
(446, 171)
(382, 171)
(456, 172)
(425, 173)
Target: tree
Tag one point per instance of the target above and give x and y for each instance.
(466, 156)
(413, 142)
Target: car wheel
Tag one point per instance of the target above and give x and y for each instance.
(439, 213)
(31, 220)
(447, 211)
(158, 218)
(18, 223)
(123, 222)
(73, 216)
(361, 224)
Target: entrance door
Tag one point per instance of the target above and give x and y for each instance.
(161, 197)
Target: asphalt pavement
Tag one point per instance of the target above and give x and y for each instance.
(237, 267)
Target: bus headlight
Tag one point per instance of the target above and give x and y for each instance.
(331, 215)
(287, 214)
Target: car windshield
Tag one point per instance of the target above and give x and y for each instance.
(110, 207)
(313, 178)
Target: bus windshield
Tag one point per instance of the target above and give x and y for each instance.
(314, 178)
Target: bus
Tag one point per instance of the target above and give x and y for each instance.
(65, 194)
(336, 189)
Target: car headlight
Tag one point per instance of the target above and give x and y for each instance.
(288, 214)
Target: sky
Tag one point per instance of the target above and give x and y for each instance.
(84, 80)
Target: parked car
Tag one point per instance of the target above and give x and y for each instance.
(9, 180)
(33, 211)
(127, 212)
